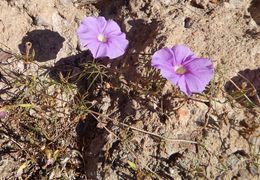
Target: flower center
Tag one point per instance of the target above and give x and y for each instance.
(101, 37)
(180, 69)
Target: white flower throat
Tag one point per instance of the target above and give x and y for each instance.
(180, 69)
(101, 37)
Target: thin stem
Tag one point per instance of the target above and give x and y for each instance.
(241, 91)
(146, 132)
(157, 135)
(252, 85)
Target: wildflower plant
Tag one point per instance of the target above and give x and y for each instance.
(102, 37)
(183, 69)
(96, 102)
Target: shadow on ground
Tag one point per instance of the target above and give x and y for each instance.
(45, 43)
(246, 82)
(111, 9)
(90, 138)
(70, 69)
(254, 10)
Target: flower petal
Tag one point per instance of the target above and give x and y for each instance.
(170, 76)
(116, 46)
(200, 64)
(183, 85)
(200, 72)
(163, 59)
(94, 24)
(83, 29)
(202, 68)
(97, 49)
(102, 51)
(112, 28)
(181, 54)
(194, 84)
(86, 38)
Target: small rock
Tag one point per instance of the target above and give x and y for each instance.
(106, 103)
(237, 3)
(200, 3)
(237, 142)
(66, 2)
(40, 21)
(188, 22)
(183, 115)
(232, 161)
(59, 23)
(135, 104)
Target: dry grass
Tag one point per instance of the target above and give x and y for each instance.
(39, 130)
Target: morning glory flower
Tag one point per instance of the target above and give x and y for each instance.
(102, 37)
(3, 113)
(182, 68)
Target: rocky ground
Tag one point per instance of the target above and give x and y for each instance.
(72, 117)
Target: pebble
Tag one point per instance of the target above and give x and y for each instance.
(39, 21)
(66, 2)
(200, 3)
(236, 3)
(188, 22)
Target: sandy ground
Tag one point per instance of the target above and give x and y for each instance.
(226, 32)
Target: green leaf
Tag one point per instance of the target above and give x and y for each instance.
(32, 55)
(132, 165)
(22, 167)
(25, 105)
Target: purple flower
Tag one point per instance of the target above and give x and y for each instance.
(3, 113)
(182, 68)
(102, 37)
